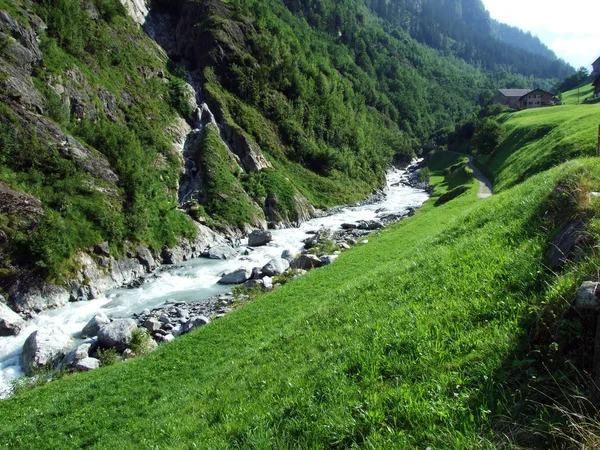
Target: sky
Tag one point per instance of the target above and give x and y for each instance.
(571, 28)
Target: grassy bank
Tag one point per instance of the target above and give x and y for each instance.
(538, 139)
(419, 338)
(576, 96)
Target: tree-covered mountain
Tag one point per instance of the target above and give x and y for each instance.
(230, 113)
(464, 28)
(523, 40)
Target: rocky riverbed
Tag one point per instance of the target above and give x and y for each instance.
(177, 298)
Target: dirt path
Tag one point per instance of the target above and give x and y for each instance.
(485, 185)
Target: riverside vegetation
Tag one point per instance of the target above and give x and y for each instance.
(447, 330)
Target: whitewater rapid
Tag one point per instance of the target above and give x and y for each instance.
(196, 280)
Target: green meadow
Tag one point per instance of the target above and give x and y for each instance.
(420, 338)
(538, 139)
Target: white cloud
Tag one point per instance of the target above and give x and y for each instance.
(571, 29)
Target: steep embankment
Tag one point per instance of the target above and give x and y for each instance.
(538, 139)
(440, 332)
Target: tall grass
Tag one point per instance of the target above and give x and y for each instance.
(419, 338)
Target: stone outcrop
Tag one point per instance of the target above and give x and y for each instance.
(44, 348)
(137, 9)
(26, 207)
(11, 323)
(28, 294)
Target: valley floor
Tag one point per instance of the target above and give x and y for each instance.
(419, 339)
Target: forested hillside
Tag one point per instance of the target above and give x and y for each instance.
(312, 101)
(464, 28)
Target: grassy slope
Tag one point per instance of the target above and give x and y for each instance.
(415, 339)
(538, 139)
(585, 91)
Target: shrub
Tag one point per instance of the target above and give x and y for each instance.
(423, 175)
(108, 357)
(487, 137)
(141, 342)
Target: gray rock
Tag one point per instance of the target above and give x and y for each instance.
(87, 364)
(152, 325)
(326, 260)
(25, 206)
(587, 296)
(250, 284)
(236, 277)
(195, 322)
(259, 238)
(93, 326)
(164, 319)
(287, 255)
(275, 267)
(165, 338)
(349, 226)
(222, 252)
(117, 334)
(145, 258)
(268, 283)
(102, 249)
(44, 348)
(11, 323)
(76, 355)
(306, 262)
(562, 246)
(344, 246)
(370, 225)
(256, 273)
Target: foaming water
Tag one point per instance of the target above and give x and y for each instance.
(194, 280)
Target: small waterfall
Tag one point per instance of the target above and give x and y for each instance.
(191, 181)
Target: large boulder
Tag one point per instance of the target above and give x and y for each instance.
(45, 347)
(259, 238)
(117, 334)
(306, 262)
(275, 267)
(95, 323)
(222, 252)
(11, 323)
(236, 277)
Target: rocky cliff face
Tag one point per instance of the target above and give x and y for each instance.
(70, 108)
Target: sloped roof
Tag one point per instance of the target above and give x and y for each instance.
(514, 92)
(596, 61)
(538, 90)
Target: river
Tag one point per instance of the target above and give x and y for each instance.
(195, 280)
